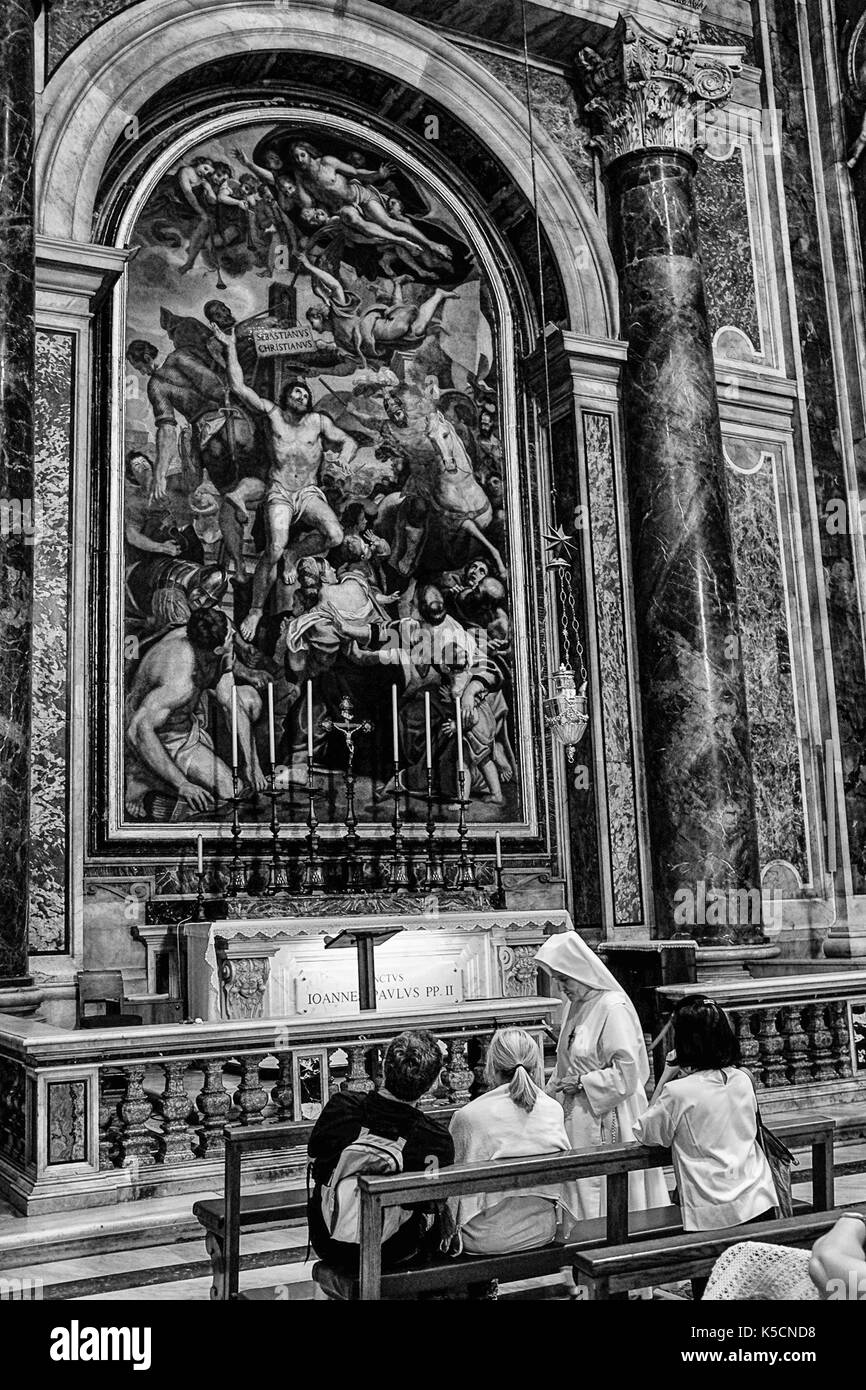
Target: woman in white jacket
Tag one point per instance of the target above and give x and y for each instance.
(515, 1119)
(601, 1067)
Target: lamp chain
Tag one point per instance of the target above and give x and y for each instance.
(568, 606)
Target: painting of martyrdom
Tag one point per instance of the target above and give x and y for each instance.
(313, 484)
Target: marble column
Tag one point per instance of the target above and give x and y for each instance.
(16, 477)
(644, 97)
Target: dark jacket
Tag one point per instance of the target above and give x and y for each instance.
(340, 1123)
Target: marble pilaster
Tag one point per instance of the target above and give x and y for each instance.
(16, 476)
(644, 96)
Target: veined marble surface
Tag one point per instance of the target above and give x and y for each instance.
(615, 676)
(695, 728)
(48, 760)
(16, 473)
(726, 246)
(767, 665)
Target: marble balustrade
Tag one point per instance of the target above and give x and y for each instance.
(97, 1116)
(799, 1035)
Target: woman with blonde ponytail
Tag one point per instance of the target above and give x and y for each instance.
(514, 1119)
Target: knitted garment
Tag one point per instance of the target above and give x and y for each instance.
(753, 1270)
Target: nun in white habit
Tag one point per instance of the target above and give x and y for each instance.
(601, 1067)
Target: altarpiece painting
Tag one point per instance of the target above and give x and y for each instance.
(318, 486)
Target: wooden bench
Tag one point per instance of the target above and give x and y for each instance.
(613, 1163)
(617, 1268)
(223, 1218)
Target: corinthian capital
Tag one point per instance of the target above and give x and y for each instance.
(642, 92)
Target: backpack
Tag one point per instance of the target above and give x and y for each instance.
(341, 1199)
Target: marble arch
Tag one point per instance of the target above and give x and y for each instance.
(125, 64)
(94, 93)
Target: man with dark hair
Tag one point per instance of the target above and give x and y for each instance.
(411, 1065)
(142, 356)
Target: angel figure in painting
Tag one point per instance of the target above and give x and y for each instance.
(325, 181)
(365, 332)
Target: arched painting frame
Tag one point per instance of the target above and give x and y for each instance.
(447, 403)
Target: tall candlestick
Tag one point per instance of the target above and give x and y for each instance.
(428, 739)
(271, 740)
(199, 905)
(458, 713)
(237, 876)
(497, 897)
(398, 869)
(234, 727)
(395, 728)
(310, 720)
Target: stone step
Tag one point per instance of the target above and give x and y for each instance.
(294, 1281)
(92, 1275)
(111, 1251)
(160, 1221)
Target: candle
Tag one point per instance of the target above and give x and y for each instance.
(200, 856)
(427, 733)
(310, 720)
(459, 718)
(234, 728)
(498, 851)
(271, 741)
(395, 728)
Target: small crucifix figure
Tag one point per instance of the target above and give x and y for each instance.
(349, 726)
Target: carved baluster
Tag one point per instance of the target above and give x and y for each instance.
(338, 1071)
(837, 1018)
(478, 1070)
(796, 1046)
(283, 1094)
(214, 1102)
(358, 1079)
(457, 1076)
(750, 1051)
(111, 1088)
(251, 1096)
(175, 1141)
(438, 1091)
(137, 1144)
(771, 1050)
(270, 1114)
(820, 1043)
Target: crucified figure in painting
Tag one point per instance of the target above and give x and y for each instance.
(300, 437)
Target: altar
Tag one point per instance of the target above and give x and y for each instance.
(279, 967)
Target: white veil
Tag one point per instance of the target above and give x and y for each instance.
(568, 954)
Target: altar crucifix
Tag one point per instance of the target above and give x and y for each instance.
(349, 726)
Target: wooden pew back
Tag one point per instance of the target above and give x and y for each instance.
(614, 1163)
